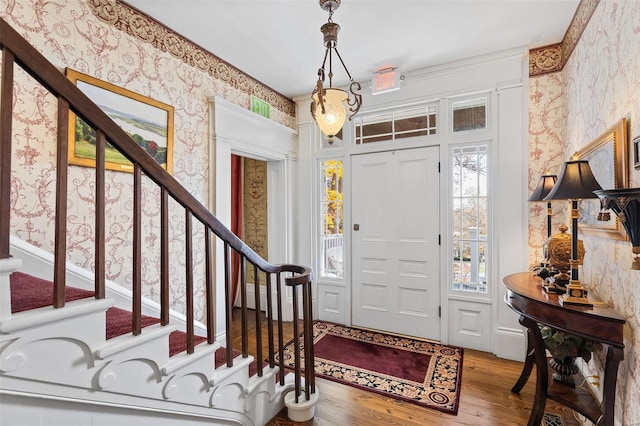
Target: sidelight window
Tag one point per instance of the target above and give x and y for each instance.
(331, 238)
(469, 218)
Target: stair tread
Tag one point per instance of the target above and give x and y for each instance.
(119, 322)
(29, 292)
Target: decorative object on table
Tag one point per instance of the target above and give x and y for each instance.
(545, 184)
(625, 203)
(564, 349)
(575, 182)
(328, 105)
(415, 371)
(608, 159)
(558, 250)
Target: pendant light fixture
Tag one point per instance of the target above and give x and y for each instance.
(329, 105)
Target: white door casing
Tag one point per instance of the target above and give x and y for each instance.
(236, 130)
(395, 241)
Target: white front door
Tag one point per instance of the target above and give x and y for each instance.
(395, 242)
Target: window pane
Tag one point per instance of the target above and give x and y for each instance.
(469, 218)
(412, 122)
(469, 115)
(331, 247)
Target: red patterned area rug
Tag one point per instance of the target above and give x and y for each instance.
(424, 373)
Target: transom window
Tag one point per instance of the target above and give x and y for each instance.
(469, 115)
(420, 121)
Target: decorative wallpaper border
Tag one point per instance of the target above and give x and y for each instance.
(136, 24)
(542, 60)
(553, 58)
(546, 59)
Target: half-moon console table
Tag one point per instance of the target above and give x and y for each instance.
(602, 324)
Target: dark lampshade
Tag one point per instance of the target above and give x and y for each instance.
(576, 182)
(545, 185)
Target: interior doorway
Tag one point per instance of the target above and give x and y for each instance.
(249, 219)
(236, 130)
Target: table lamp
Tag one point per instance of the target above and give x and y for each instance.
(545, 185)
(575, 182)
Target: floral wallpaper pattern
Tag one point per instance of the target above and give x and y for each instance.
(255, 231)
(599, 84)
(546, 136)
(70, 34)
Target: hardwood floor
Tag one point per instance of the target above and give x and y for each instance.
(485, 398)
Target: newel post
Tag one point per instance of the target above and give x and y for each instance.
(301, 402)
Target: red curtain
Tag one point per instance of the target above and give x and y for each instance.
(236, 217)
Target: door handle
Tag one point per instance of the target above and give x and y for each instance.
(356, 226)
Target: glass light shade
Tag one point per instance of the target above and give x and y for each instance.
(335, 113)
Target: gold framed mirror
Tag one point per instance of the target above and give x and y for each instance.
(607, 156)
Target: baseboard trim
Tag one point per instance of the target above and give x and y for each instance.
(511, 344)
(251, 297)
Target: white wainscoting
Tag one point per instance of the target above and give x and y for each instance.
(470, 325)
(331, 303)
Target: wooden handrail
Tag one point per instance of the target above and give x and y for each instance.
(17, 51)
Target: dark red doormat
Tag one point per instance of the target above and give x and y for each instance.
(424, 373)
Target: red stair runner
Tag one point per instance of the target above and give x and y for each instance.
(29, 292)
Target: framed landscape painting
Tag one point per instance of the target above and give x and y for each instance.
(147, 121)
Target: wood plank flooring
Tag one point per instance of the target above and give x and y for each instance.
(485, 397)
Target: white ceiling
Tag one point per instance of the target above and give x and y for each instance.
(279, 43)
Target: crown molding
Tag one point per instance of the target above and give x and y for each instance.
(553, 58)
(141, 26)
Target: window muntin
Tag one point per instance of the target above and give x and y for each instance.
(331, 213)
(469, 218)
(469, 115)
(395, 125)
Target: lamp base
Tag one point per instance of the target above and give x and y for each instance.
(576, 295)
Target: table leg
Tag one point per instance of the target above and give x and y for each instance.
(542, 375)
(614, 356)
(528, 366)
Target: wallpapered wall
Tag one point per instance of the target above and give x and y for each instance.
(107, 40)
(254, 215)
(599, 84)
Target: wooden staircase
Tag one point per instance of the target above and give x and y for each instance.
(68, 354)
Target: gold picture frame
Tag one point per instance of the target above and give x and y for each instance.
(607, 156)
(147, 121)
